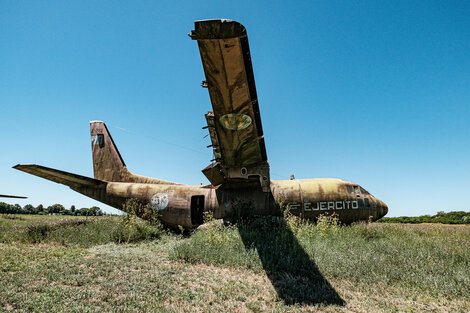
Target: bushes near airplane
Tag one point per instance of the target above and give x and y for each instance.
(75, 231)
(92, 229)
(454, 217)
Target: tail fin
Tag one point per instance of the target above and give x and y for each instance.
(108, 164)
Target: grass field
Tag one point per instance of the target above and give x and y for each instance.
(78, 264)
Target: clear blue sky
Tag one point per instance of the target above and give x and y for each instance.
(375, 92)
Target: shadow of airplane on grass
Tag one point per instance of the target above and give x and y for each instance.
(292, 272)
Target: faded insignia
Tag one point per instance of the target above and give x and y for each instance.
(159, 201)
(235, 121)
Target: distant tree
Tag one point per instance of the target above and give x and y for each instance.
(5, 207)
(94, 211)
(453, 217)
(72, 209)
(55, 208)
(82, 212)
(29, 209)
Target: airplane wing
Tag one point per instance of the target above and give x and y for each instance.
(234, 124)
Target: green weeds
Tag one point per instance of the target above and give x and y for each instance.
(110, 263)
(77, 231)
(429, 260)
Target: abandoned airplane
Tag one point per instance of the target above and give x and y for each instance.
(239, 176)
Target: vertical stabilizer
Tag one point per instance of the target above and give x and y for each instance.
(108, 164)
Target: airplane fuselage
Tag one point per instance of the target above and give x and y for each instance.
(185, 205)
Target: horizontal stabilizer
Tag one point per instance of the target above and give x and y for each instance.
(16, 197)
(61, 177)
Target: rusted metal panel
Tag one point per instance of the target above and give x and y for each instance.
(214, 173)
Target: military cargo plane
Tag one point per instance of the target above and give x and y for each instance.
(239, 175)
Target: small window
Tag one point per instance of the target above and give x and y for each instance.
(350, 189)
(357, 190)
(364, 192)
(100, 138)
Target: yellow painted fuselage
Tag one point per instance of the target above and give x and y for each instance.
(308, 198)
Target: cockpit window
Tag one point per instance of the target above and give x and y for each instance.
(364, 192)
(356, 190)
(353, 190)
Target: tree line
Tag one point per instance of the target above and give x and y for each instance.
(455, 217)
(55, 209)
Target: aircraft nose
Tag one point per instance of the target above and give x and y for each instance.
(383, 209)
